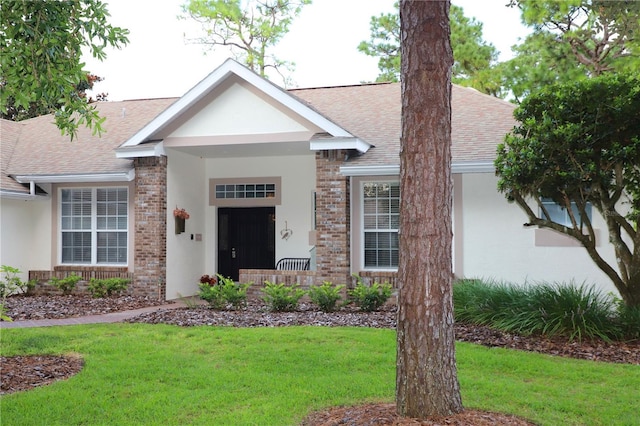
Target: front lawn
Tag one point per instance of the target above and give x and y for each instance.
(138, 374)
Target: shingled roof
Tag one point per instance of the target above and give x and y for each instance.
(372, 112)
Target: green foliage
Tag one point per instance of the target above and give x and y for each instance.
(249, 28)
(66, 284)
(12, 284)
(579, 143)
(628, 318)
(573, 39)
(221, 292)
(369, 298)
(567, 310)
(42, 45)
(281, 297)
(107, 287)
(326, 296)
(473, 56)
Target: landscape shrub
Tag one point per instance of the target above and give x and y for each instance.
(107, 287)
(575, 312)
(369, 298)
(281, 297)
(326, 296)
(10, 283)
(628, 318)
(221, 292)
(66, 284)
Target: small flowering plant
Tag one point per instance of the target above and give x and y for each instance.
(180, 213)
(210, 280)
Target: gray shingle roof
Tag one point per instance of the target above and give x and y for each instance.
(373, 111)
(42, 150)
(369, 111)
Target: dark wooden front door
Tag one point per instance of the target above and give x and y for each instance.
(246, 239)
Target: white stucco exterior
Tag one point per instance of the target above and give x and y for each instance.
(497, 246)
(25, 234)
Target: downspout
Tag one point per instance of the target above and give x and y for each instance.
(32, 188)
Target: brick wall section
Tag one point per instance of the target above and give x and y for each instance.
(333, 227)
(150, 227)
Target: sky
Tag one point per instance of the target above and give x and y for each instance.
(322, 42)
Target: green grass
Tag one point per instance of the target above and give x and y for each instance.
(138, 374)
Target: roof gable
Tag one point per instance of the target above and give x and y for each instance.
(187, 113)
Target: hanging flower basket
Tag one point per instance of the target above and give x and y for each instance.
(180, 215)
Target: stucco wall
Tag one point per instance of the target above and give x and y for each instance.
(497, 245)
(25, 234)
(186, 188)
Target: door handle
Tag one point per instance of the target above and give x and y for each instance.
(233, 253)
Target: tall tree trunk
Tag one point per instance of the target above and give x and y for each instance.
(426, 382)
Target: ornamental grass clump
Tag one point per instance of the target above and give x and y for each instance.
(326, 296)
(281, 297)
(369, 298)
(575, 312)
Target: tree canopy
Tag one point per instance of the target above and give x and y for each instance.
(578, 144)
(249, 27)
(40, 64)
(572, 39)
(473, 57)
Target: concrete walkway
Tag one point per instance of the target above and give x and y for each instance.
(89, 319)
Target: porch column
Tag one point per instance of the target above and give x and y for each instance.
(333, 224)
(150, 227)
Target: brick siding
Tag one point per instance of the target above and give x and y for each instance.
(333, 227)
(150, 209)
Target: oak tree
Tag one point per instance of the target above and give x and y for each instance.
(41, 68)
(578, 146)
(426, 381)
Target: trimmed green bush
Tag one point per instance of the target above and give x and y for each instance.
(326, 296)
(222, 292)
(107, 287)
(281, 297)
(369, 298)
(66, 284)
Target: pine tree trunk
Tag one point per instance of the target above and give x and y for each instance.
(427, 382)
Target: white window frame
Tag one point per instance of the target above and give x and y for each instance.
(93, 229)
(364, 230)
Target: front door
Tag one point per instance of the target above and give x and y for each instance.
(246, 239)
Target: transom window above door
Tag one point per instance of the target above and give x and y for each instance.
(245, 192)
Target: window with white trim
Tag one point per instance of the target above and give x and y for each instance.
(381, 220)
(559, 214)
(94, 225)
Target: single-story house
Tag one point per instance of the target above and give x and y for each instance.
(263, 173)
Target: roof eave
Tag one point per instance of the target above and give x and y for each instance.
(127, 176)
(323, 143)
(150, 149)
(394, 169)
